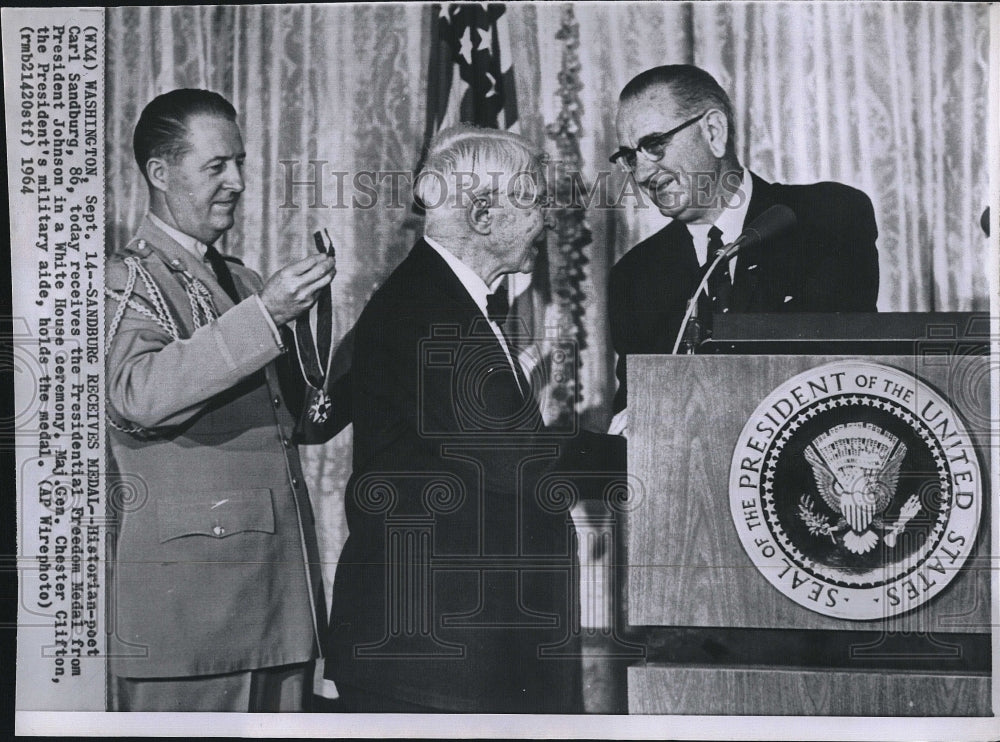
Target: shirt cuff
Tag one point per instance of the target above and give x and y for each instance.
(270, 323)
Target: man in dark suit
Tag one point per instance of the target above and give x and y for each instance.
(216, 571)
(457, 587)
(676, 134)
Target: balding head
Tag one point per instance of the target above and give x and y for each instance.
(465, 161)
(484, 191)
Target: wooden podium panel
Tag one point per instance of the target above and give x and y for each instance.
(780, 692)
(686, 564)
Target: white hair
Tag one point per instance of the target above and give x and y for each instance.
(466, 161)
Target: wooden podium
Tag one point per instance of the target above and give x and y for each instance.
(720, 637)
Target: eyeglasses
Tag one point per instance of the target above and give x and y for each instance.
(653, 146)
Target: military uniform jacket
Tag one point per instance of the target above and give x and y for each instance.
(215, 563)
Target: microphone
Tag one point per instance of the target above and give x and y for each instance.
(772, 223)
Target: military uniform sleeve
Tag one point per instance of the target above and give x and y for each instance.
(156, 380)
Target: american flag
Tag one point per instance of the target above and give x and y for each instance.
(471, 80)
(470, 76)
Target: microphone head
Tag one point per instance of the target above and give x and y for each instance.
(984, 221)
(773, 223)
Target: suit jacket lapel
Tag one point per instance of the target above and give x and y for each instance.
(684, 260)
(682, 245)
(442, 278)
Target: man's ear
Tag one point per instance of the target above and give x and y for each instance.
(479, 214)
(158, 173)
(717, 131)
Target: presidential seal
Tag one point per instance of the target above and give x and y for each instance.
(856, 490)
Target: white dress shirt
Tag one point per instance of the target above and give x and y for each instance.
(730, 223)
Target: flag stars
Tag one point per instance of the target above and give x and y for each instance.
(466, 48)
(485, 40)
(472, 41)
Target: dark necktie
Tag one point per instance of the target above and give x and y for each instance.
(720, 284)
(498, 309)
(222, 273)
(498, 305)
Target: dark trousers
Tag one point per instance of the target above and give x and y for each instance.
(361, 701)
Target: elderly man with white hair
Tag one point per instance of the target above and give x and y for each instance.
(457, 588)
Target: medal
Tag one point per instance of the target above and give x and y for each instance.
(315, 352)
(319, 410)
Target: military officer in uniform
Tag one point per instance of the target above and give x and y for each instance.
(216, 590)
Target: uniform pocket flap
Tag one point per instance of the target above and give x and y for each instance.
(216, 514)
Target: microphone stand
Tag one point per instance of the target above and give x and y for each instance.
(767, 226)
(691, 330)
(694, 331)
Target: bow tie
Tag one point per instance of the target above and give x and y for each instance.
(498, 305)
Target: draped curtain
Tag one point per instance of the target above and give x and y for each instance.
(888, 97)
